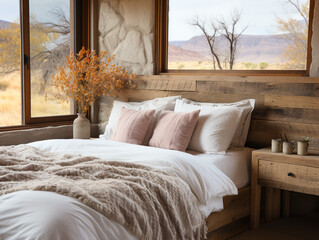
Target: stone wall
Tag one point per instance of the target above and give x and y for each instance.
(126, 29)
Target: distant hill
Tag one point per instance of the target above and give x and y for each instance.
(4, 24)
(250, 48)
(184, 55)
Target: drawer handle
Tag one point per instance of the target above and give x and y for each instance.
(290, 174)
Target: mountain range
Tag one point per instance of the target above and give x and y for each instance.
(4, 24)
(250, 48)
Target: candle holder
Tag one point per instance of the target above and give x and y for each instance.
(302, 146)
(288, 147)
(276, 145)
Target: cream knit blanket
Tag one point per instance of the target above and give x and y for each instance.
(151, 204)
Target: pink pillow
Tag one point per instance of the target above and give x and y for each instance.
(132, 126)
(174, 130)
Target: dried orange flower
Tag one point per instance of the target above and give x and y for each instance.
(87, 77)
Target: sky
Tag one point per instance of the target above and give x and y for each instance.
(258, 15)
(42, 9)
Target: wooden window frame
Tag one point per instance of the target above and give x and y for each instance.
(80, 12)
(161, 49)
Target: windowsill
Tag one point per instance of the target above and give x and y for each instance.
(31, 134)
(27, 134)
(32, 126)
(301, 73)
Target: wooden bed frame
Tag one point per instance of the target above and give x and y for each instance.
(233, 219)
(282, 105)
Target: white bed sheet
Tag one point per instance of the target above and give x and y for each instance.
(236, 164)
(30, 215)
(20, 219)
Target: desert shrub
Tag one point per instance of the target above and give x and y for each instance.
(263, 65)
(3, 86)
(181, 66)
(248, 65)
(251, 66)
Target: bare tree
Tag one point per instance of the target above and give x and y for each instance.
(228, 31)
(49, 59)
(303, 10)
(211, 39)
(222, 29)
(295, 34)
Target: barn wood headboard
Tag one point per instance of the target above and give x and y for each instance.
(284, 104)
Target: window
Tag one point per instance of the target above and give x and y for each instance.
(10, 63)
(234, 36)
(50, 27)
(35, 37)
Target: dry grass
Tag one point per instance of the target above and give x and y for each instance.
(10, 101)
(205, 65)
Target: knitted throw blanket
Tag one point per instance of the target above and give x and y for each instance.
(151, 204)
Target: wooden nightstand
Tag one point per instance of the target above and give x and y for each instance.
(280, 171)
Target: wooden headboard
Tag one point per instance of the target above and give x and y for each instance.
(287, 105)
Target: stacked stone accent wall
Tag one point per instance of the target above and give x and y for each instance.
(126, 29)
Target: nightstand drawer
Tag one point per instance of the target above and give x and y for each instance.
(289, 176)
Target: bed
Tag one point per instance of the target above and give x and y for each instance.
(166, 168)
(19, 218)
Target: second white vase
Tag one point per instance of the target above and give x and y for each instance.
(302, 148)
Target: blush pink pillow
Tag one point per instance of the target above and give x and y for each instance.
(174, 130)
(132, 126)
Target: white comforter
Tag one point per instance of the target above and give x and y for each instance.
(45, 215)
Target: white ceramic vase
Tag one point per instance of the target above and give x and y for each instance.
(81, 127)
(287, 147)
(276, 145)
(302, 148)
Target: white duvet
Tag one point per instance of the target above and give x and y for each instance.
(46, 215)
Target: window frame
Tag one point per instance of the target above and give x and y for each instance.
(161, 49)
(80, 12)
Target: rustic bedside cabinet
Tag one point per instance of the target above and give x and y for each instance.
(280, 171)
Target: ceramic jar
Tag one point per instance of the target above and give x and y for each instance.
(287, 147)
(81, 127)
(276, 145)
(302, 148)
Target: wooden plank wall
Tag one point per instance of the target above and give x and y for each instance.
(288, 105)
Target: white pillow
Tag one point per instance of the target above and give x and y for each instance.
(247, 106)
(215, 127)
(159, 104)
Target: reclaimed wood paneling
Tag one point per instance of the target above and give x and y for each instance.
(269, 88)
(224, 78)
(219, 97)
(174, 85)
(287, 114)
(292, 101)
(285, 127)
(284, 105)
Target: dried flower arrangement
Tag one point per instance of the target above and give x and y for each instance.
(87, 77)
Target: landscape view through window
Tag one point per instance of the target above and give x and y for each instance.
(238, 35)
(10, 61)
(49, 44)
